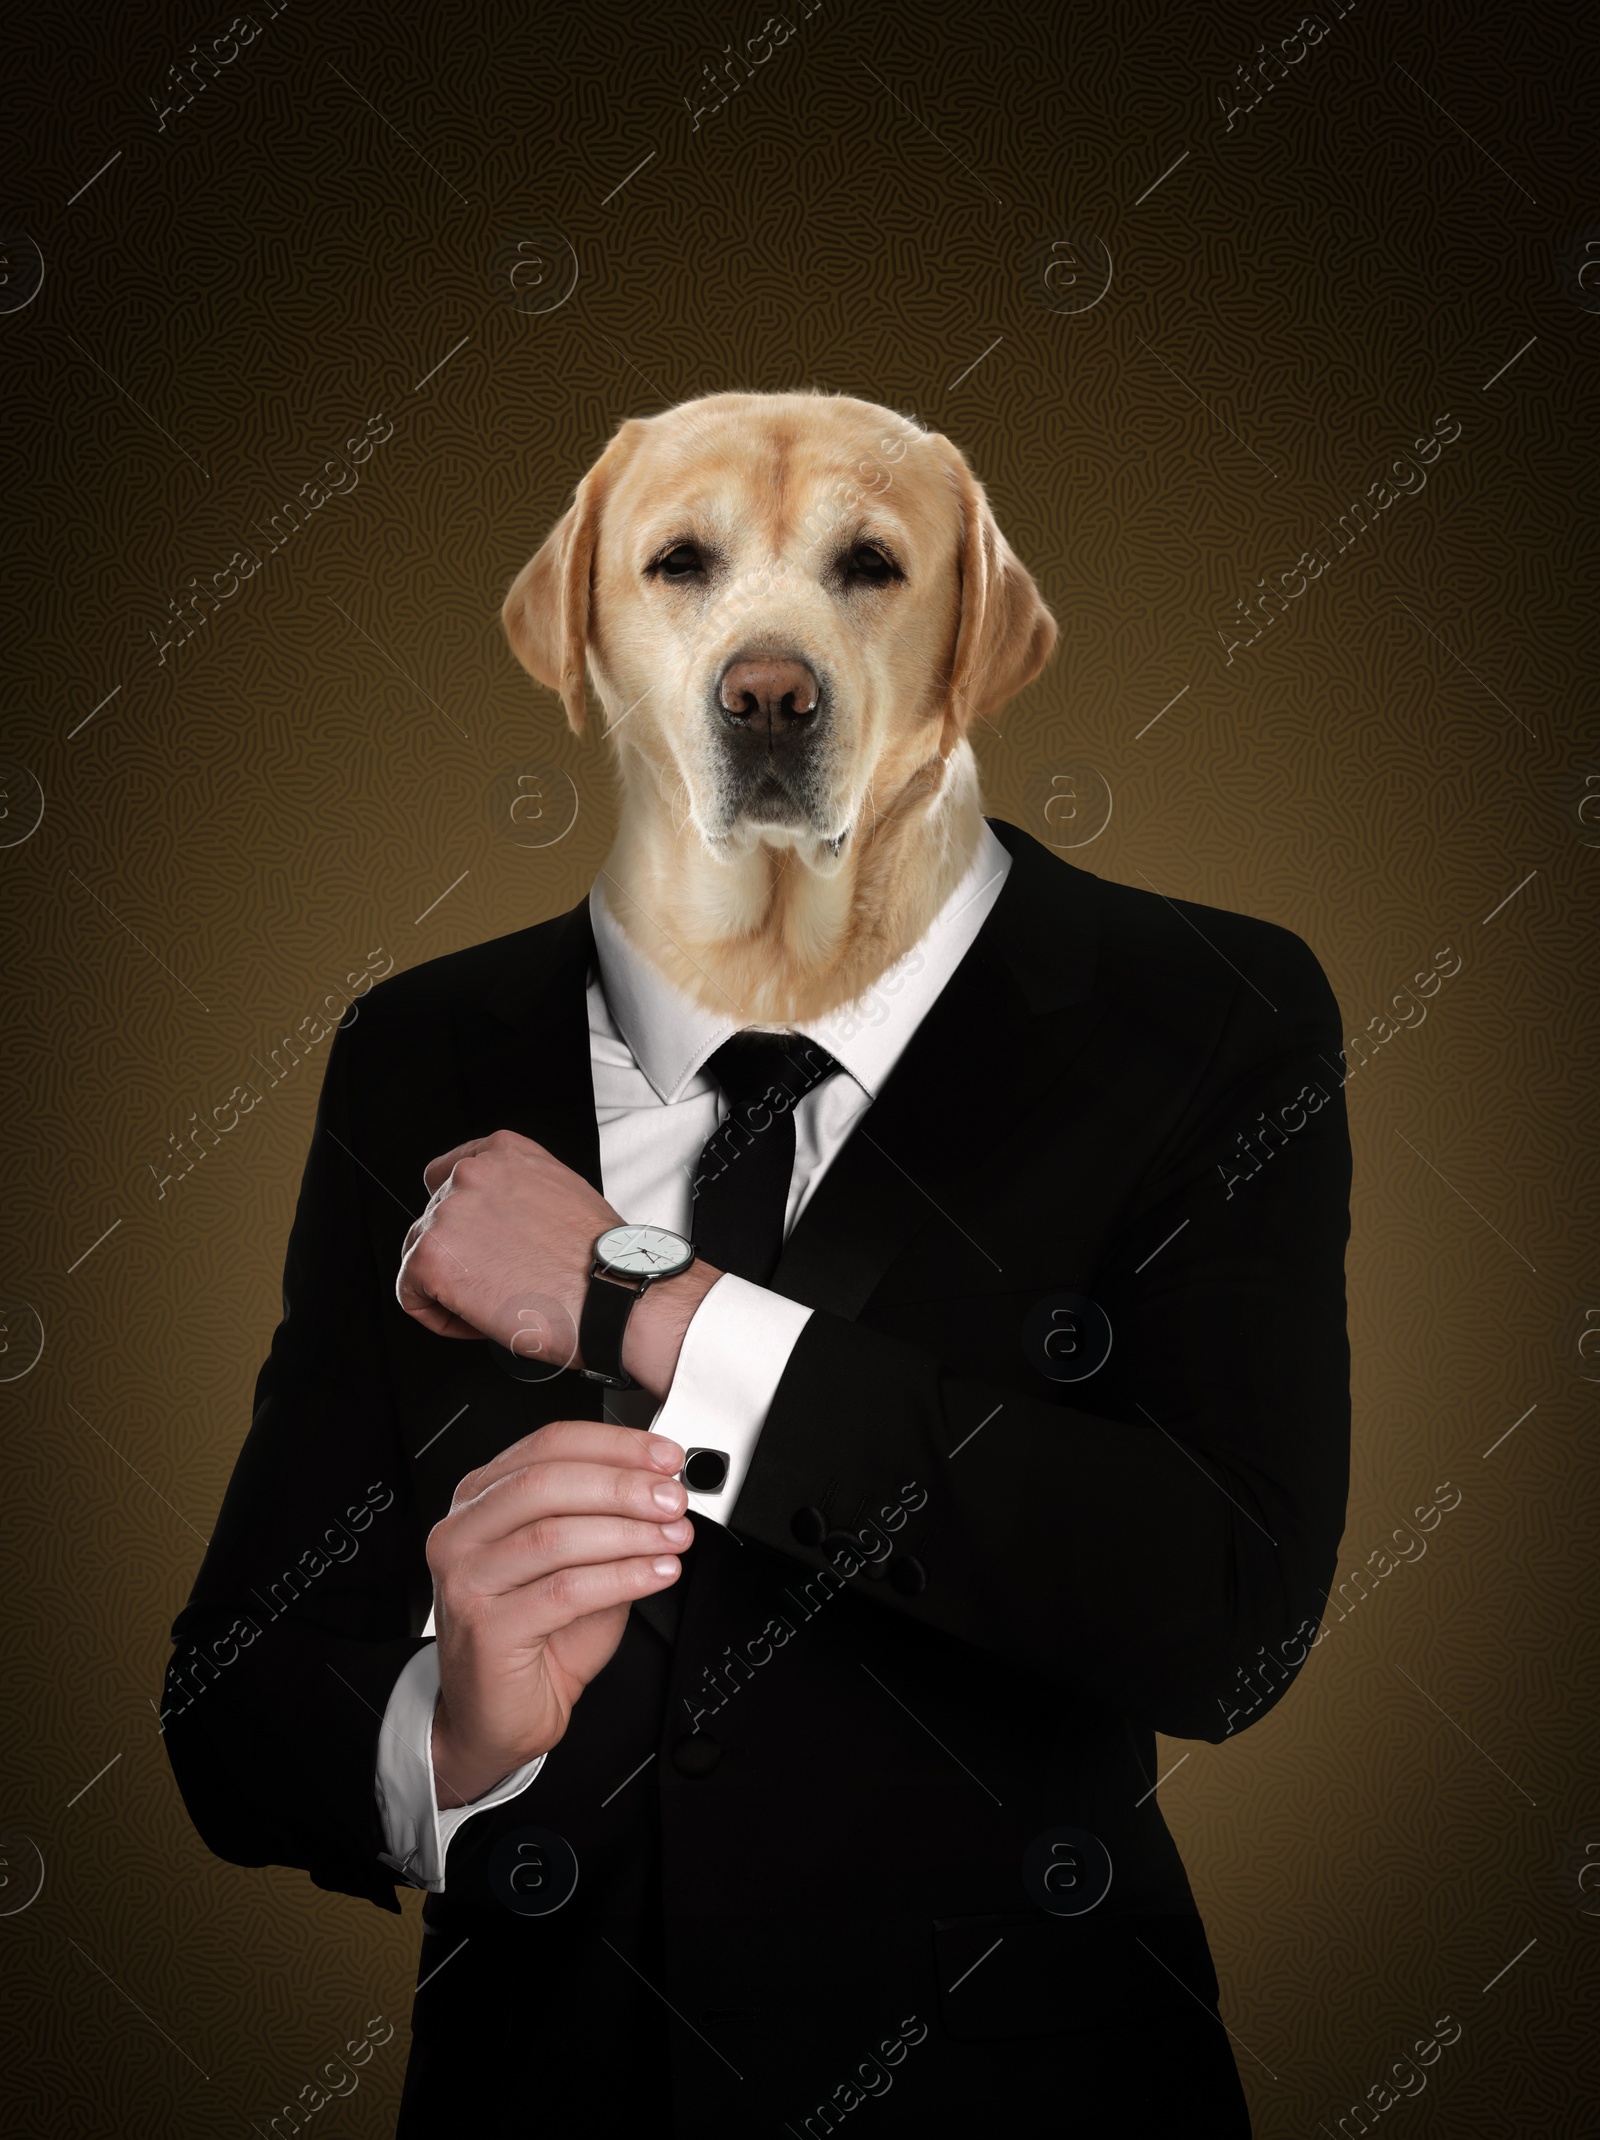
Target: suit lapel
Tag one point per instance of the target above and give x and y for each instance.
(537, 1079)
(534, 1074)
(994, 1044)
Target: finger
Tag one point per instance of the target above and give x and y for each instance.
(542, 1609)
(426, 1218)
(543, 1491)
(422, 1307)
(438, 1171)
(426, 1250)
(440, 1320)
(584, 1441)
(540, 1549)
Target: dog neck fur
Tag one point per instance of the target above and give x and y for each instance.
(766, 935)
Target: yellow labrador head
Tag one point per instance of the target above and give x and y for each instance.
(792, 607)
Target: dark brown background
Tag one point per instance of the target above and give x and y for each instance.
(233, 831)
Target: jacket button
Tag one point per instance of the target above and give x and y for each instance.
(908, 1575)
(697, 1755)
(808, 1526)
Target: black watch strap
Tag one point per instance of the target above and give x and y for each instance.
(606, 1308)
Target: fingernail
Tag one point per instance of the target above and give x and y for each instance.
(665, 1566)
(667, 1494)
(667, 1454)
(676, 1534)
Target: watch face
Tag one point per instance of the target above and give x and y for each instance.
(644, 1251)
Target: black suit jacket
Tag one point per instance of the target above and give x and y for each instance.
(813, 1801)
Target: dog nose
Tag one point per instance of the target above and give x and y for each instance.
(770, 693)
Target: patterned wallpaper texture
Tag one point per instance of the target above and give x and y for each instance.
(1273, 336)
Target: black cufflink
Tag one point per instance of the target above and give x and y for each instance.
(705, 1471)
(809, 1526)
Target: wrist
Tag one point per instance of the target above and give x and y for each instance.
(462, 1774)
(658, 1324)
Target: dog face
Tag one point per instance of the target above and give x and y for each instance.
(790, 605)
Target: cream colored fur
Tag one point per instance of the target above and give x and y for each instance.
(780, 923)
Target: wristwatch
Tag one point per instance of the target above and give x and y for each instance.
(628, 1260)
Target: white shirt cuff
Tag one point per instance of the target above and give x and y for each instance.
(417, 1833)
(734, 1353)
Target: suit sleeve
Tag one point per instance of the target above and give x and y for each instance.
(312, 1592)
(1148, 1554)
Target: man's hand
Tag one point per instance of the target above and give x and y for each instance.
(504, 1251)
(505, 1221)
(533, 1572)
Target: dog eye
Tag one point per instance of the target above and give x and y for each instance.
(681, 562)
(870, 565)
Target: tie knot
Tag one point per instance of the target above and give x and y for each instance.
(787, 1065)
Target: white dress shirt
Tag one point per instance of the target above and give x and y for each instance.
(656, 1104)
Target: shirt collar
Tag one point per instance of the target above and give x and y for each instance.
(671, 1035)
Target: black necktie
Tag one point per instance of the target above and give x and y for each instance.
(741, 1188)
(741, 1195)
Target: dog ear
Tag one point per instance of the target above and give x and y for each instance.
(1005, 633)
(546, 613)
